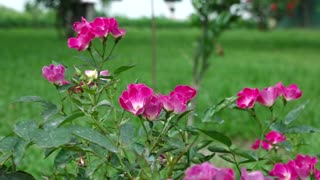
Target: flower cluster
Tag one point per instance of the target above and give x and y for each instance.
(140, 99)
(208, 171)
(272, 138)
(300, 168)
(287, 5)
(100, 27)
(267, 97)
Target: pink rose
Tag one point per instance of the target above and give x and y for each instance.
(247, 97)
(135, 98)
(254, 175)
(275, 137)
(283, 172)
(289, 93)
(207, 171)
(54, 74)
(268, 96)
(153, 108)
(264, 144)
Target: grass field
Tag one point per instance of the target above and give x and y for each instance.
(252, 59)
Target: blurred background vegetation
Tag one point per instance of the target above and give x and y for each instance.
(247, 56)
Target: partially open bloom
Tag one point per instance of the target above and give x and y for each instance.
(268, 96)
(135, 97)
(275, 137)
(91, 74)
(289, 93)
(254, 175)
(264, 145)
(54, 74)
(153, 108)
(104, 73)
(305, 165)
(283, 172)
(82, 41)
(247, 97)
(114, 28)
(207, 171)
(177, 100)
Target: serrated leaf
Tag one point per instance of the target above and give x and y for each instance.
(94, 166)
(52, 138)
(8, 143)
(57, 122)
(302, 129)
(122, 69)
(209, 113)
(218, 149)
(94, 136)
(128, 133)
(19, 151)
(49, 108)
(295, 113)
(218, 136)
(26, 129)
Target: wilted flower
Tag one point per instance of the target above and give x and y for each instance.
(54, 74)
(135, 98)
(247, 97)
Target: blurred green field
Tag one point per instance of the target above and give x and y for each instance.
(252, 59)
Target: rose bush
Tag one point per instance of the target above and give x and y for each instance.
(144, 134)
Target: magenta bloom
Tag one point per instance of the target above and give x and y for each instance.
(305, 165)
(317, 174)
(283, 172)
(207, 171)
(289, 93)
(254, 175)
(54, 74)
(177, 100)
(268, 96)
(264, 145)
(153, 108)
(275, 137)
(114, 28)
(100, 27)
(82, 41)
(247, 97)
(135, 98)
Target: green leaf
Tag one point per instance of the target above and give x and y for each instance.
(302, 129)
(145, 168)
(278, 126)
(52, 138)
(103, 103)
(226, 158)
(64, 157)
(57, 122)
(246, 154)
(295, 113)
(218, 149)
(122, 69)
(18, 175)
(286, 145)
(94, 166)
(19, 151)
(128, 133)
(49, 108)
(4, 157)
(95, 137)
(210, 112)
(26, 129)
(64, 87)
(8, 143)
(218, 136)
